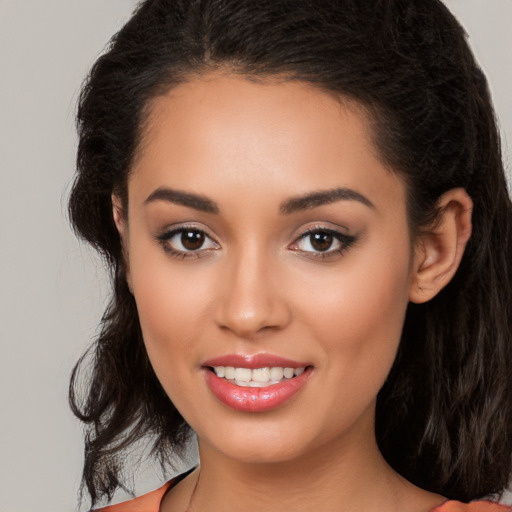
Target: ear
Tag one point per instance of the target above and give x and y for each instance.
(438, 252)
(120, 221)
(119, 216)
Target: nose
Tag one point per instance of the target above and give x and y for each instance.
(252, 297)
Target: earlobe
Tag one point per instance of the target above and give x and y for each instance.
(439, 251)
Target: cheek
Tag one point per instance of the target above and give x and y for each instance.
(172, 300)
(367, 289)
(170, 312)
(357, 313)
(166, 303)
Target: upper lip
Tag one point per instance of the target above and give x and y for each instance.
(253, 361)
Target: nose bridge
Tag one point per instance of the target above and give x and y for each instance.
(250, 299)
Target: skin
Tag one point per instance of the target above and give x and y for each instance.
(258, 286)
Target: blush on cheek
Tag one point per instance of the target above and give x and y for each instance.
(171, 307)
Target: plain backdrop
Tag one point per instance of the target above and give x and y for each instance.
(52, 289)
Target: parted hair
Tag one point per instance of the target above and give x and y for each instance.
(444, 415)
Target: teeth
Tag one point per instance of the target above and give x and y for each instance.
(261, 375)
(288, 372)
(243, 374)
(276, 373)
(257, 378)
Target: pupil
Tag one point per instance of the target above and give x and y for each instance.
(321, 241)
(192, 240)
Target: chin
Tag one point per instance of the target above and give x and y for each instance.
(263, 442)
(261, 451)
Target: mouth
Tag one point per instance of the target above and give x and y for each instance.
(255, 383)
(257, 377)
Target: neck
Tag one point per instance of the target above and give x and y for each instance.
(343, 475)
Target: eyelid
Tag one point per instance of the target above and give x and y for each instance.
(344, 239)
(168, 234)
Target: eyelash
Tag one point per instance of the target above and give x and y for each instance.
(345, 242)
(164, 240)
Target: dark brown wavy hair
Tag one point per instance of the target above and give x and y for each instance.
(444, 416)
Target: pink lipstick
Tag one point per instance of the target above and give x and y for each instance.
(255, 383)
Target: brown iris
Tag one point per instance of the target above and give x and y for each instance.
(321, 241)
(192, 240)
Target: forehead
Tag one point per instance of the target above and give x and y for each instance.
(278, 137)
(251, 106)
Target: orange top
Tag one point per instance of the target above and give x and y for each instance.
(151, 503)
(475, 506)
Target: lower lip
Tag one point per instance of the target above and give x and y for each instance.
(247, 399)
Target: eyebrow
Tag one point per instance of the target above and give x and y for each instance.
(292, 205)
(322, 197)
(195, 201)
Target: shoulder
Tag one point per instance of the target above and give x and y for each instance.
(149, 502)
(475, 506)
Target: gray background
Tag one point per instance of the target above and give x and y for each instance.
(52, 290)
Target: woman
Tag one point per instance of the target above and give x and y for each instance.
(305, 210)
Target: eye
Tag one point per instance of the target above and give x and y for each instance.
(322, 242)
(184, 242)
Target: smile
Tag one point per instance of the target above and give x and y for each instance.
(257, 383)
(257, 377)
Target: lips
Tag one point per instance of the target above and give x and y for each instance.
(229, 378)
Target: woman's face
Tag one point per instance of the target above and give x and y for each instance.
(263, 233)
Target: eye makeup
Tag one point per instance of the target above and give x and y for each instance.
(317, 242)
(322, 243)
(187, 242)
